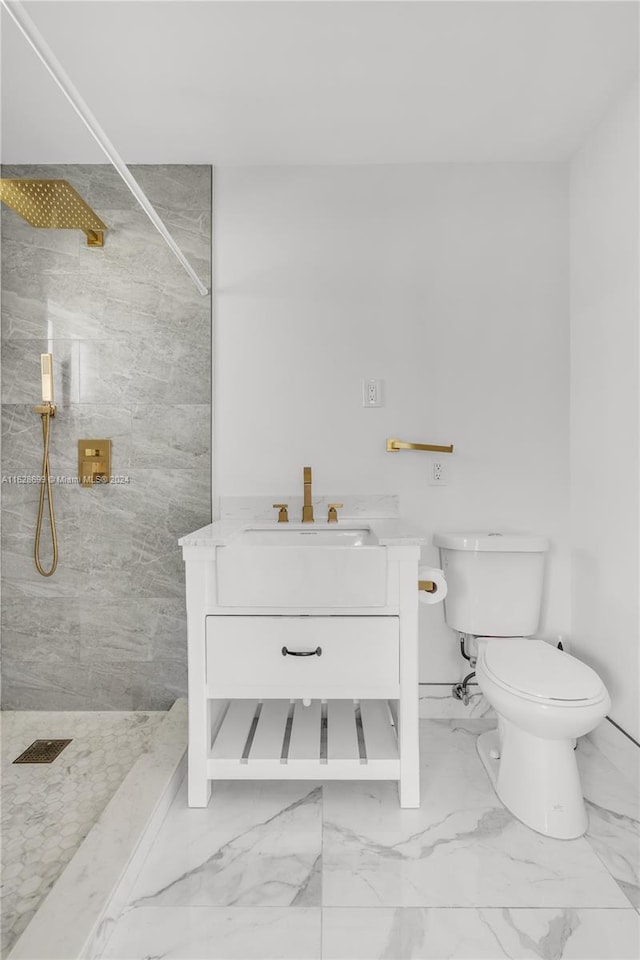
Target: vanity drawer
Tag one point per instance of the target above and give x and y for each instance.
(349, 657)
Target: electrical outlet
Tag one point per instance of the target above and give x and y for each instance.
(372, 393)
(438, 473)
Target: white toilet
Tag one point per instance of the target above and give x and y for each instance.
(543, 697)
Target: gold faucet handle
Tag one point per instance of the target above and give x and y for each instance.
(333, 512)
(283, 515)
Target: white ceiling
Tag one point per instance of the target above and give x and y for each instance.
(182, 81)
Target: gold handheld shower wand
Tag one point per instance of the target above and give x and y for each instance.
(47, 410)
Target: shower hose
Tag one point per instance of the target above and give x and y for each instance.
(45, 485)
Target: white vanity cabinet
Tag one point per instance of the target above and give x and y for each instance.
(298, 692)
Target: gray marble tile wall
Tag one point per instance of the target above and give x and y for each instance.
(131, 340)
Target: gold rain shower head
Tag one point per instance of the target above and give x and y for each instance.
(53, 204)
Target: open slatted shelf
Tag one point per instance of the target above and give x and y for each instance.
(333, 739)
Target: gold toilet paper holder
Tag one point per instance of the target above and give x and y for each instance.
(428, 586)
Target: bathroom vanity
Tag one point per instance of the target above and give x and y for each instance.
(303, 653)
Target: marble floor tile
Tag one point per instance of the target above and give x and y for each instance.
(216, 933)
(470, 856)
(544, 934)
(256, 844)
(462, 848)
(459, 878)
(613, 807)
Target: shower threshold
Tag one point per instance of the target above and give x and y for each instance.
(67, 925)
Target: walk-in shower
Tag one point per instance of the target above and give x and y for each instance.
(50, 204)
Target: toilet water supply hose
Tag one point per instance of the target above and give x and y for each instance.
(45, 485)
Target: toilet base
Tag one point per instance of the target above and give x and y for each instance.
(537, 780)
(488, 747)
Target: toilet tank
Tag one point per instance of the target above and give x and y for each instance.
(494, 582)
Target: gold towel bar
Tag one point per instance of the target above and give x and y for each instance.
(394, 445)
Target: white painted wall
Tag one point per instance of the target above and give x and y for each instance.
(604, 405)
(447, 281)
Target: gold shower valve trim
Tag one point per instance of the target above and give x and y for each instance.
(53, 204)
(94, 462)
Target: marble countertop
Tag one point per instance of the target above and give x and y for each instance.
(390, 531)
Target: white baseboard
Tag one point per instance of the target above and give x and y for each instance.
(619, 749)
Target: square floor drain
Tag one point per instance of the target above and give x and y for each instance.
(42, 751)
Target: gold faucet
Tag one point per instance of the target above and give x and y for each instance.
(307, 510)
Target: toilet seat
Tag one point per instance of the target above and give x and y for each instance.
(534, 670)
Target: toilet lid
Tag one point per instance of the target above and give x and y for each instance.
(537, 669)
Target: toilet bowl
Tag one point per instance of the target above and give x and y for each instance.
(544, 700)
